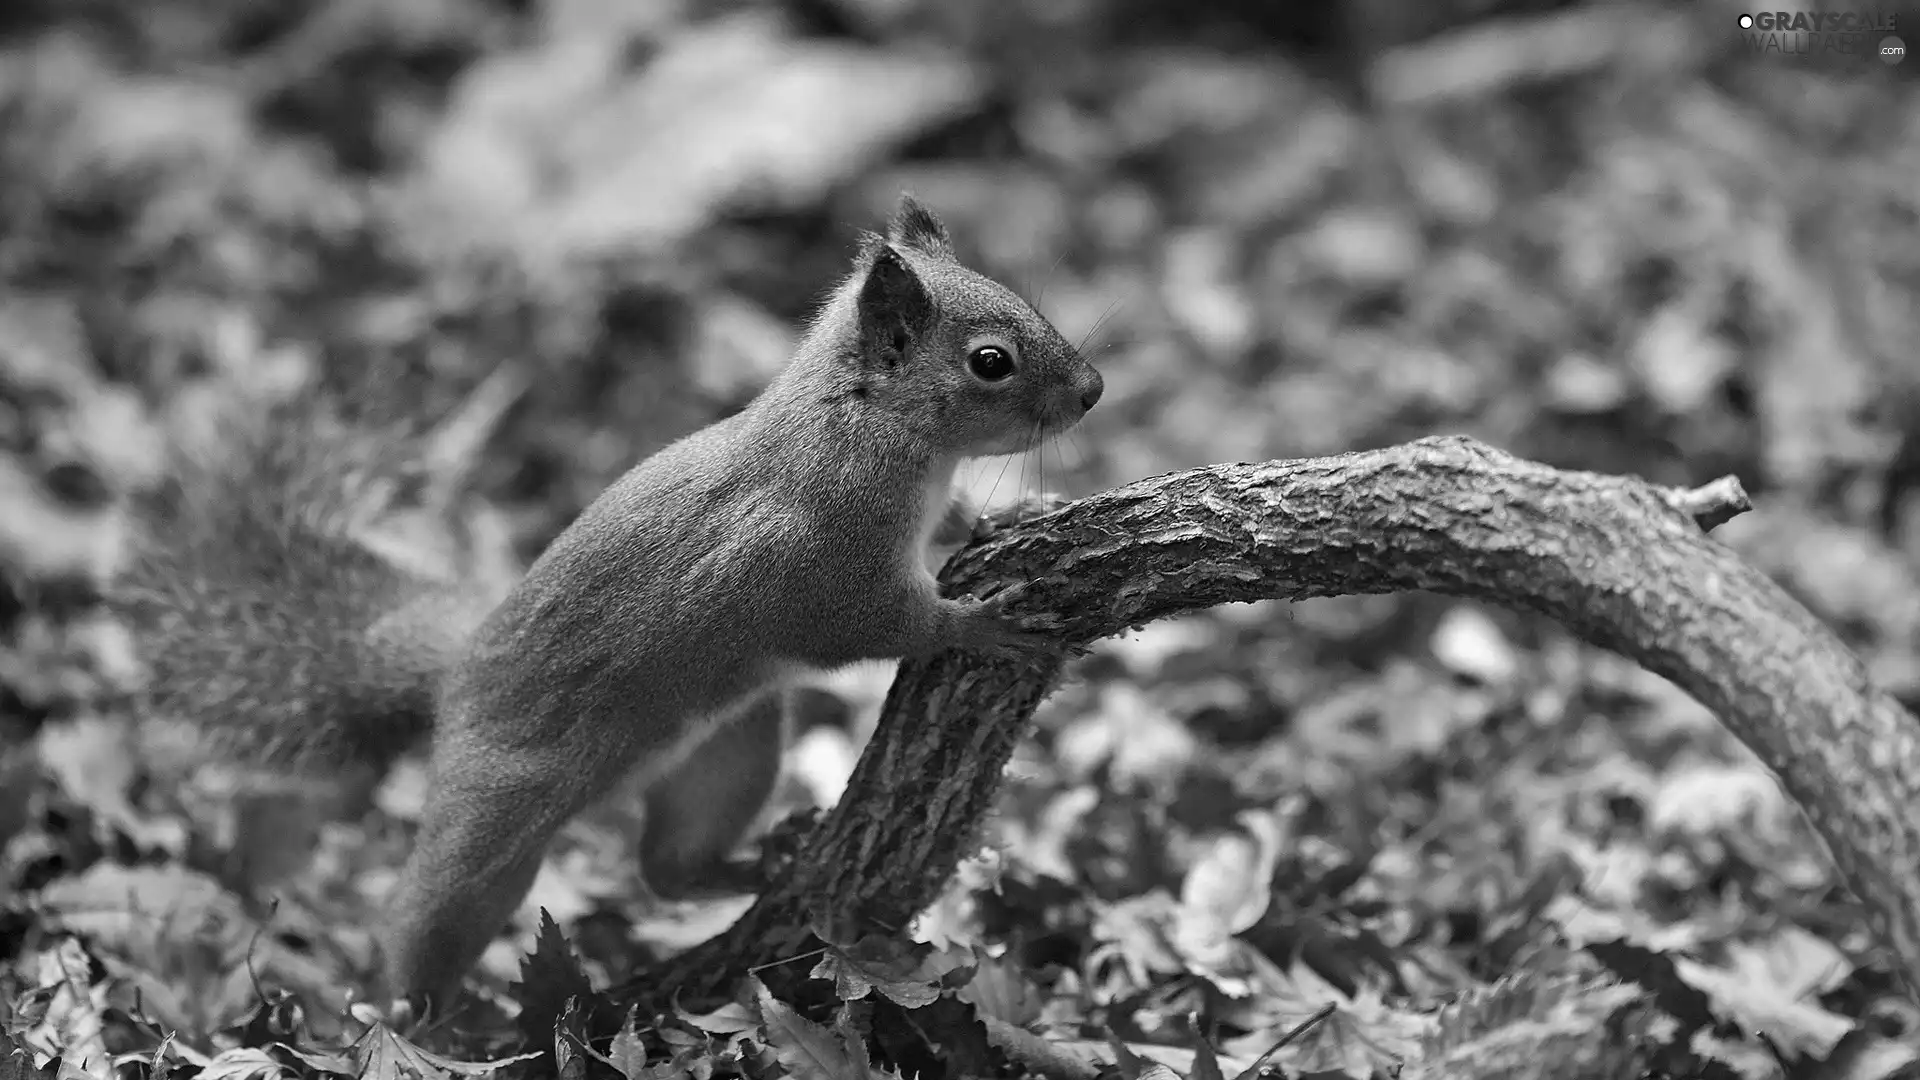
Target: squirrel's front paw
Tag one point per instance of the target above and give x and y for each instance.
(985, 626)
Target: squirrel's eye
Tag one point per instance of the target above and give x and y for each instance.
(990, 362)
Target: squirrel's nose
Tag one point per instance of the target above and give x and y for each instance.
(1090, 394)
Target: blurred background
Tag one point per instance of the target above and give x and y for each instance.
(1626, 237)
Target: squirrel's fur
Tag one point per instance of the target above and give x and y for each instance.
(652, 637)
(271, 627)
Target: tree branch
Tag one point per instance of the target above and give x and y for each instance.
(1619, 562)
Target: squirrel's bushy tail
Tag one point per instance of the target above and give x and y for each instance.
(276, 633)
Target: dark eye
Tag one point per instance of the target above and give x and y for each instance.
(990, 362)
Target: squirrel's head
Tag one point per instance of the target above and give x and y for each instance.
(959, 356)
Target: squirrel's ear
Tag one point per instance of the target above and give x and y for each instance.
(914, 226)
(895, 309)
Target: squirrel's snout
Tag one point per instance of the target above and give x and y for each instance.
(1090, 388)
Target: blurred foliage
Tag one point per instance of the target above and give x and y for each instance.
(1604, 235)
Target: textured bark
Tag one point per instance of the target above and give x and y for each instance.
(1621, 563)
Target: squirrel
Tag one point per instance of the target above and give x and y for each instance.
(653, 638)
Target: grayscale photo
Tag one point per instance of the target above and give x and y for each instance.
(1025, 539)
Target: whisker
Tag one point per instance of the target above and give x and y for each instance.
(1026, 468)
(995, 489)
(1079, 453)
(1028, 462)
(1040, 470)
(1097, 324)
(1048, 280)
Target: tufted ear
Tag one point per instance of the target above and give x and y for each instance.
(895, 312)
(914, 226)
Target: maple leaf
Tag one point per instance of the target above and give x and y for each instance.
(1001, 990)
(571, 1050)
(1518, 1025)
(550, 977)
(899, 970)
(384, 1054)
(732, 1018)
(627, 1053)
(810, 1051)
(1356, 1034)
(1344, 1042)
(245, 1063)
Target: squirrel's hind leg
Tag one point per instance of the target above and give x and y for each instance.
(489, 817)
(700, 809)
